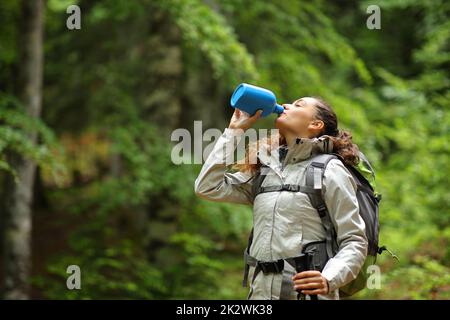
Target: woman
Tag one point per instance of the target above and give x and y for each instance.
(284, 222)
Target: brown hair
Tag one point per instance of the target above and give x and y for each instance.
(342, 140)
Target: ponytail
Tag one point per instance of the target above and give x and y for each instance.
(342, 139)
(344, 146)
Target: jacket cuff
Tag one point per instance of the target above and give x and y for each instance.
(331, 284)
(331, 273)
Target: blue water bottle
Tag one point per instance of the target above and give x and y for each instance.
(250, 99)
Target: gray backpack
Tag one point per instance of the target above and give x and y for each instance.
(368, 201)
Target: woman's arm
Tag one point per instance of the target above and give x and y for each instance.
(340, 198)
(214, 182)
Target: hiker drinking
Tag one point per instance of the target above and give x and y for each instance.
(309, 238)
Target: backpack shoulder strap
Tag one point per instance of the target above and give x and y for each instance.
(314, 180)
(260, 175)
(246, 255)
(316, 169)
(258, 179)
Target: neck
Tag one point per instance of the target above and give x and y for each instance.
(290, 137)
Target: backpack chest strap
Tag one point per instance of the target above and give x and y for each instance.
(284, 187)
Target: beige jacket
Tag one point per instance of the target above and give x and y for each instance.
(285, 221)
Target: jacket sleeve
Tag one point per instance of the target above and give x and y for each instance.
(340, 199)
(215, 182)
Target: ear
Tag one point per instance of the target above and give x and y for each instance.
(316, 125)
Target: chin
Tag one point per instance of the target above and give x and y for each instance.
(280, 123)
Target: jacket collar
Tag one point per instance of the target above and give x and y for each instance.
(298, 150)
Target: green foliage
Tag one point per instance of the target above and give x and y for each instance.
(412, 133)
(111, 268)
(16, 130)
(205, 29)
(105, 241)
(8, 35)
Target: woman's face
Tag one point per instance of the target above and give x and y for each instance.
(298, 119)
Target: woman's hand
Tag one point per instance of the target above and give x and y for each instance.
(242, 120)
(310, 282)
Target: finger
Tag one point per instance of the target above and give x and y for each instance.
(307, 280)
(255, 117)
(257, 114)
(315, 285)
(316, 291)
(251, 120)
(306, 274)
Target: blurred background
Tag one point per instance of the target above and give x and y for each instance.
(86, 117)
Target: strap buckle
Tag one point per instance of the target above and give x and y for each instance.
(384, 248)
(378, 197)
(291, 187)
(271, 266)
(322, 209)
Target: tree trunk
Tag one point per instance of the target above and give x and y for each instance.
(19, 196)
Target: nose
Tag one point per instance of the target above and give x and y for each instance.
(286, 106)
